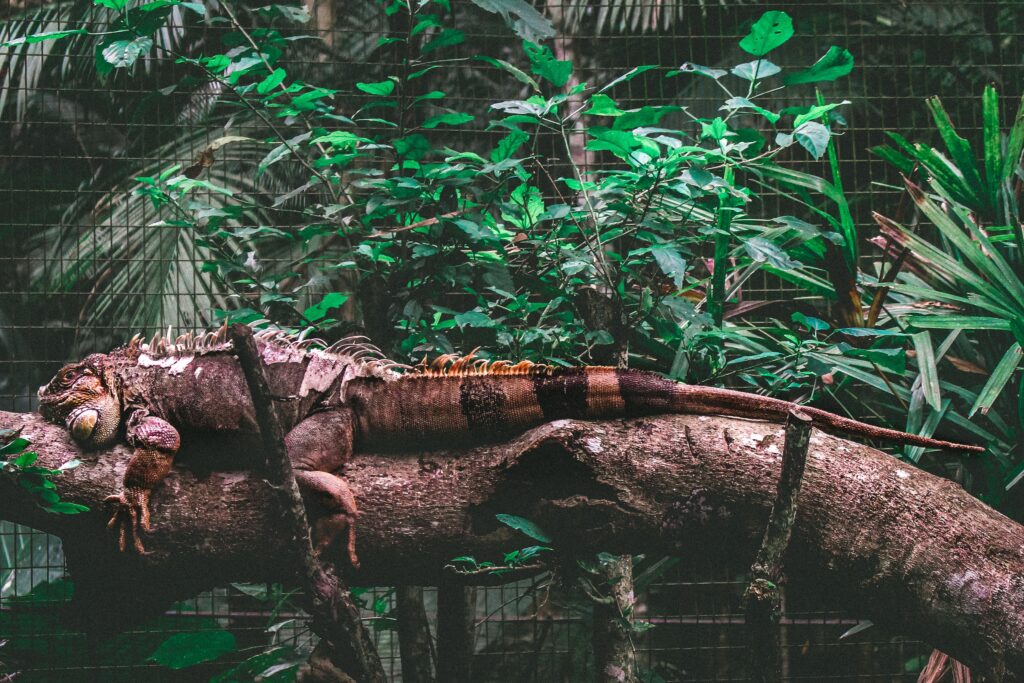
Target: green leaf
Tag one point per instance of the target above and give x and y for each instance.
(116, 5)
(959, 149)
(40, 37)
(1014, 143)
(811, 135)
(544, 64)
(449, 119)
(26, 459)
(770, 31)
(524, 525)
(447, 38)
(124, 53)
(689, 67)
(929, 375)
(766, 251)
(671, 263)
(992, 142)
(752, 71)
(379, 88)
(894, 360)
(734, 103)
(508, 145)
(477, 319)
(320, 310)
(835, 63)
(528, 24)
(271, 81)
(816, 112)
(280, 152)
(15, 446)
(183, 650)
(602, 105)
(997, 381)
(954, 322)
(63, 507)
(516, 72)
(628, 76)
(341, 139)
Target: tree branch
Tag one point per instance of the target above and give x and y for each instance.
(906, 549)
(335, 616)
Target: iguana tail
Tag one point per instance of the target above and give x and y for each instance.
(451, 404)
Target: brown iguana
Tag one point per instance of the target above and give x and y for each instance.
(336, 400)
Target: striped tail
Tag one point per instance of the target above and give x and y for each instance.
(484, 403)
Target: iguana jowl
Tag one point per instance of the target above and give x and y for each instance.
(339, 400)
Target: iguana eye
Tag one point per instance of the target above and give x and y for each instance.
(68, 375)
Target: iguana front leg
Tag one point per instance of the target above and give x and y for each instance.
(318, 446)
(156, 441)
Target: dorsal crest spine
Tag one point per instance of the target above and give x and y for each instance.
(453, 365)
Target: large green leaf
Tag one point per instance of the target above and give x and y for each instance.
(835, 63)
(773, 29)
(544, 64)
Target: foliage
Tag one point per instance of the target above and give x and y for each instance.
(614, 256)
(183, 650)
(963, 281)
(512, 559)
(19, 463)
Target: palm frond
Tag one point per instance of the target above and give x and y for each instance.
(139, 269)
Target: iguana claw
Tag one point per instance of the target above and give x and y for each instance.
(131, 514)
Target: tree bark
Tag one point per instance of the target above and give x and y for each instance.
(906, 549)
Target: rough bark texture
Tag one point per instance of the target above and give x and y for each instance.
(909, 550)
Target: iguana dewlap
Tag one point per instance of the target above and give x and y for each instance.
(338, 400)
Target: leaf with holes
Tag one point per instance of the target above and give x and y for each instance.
(771, 30)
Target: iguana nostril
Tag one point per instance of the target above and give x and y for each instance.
(82, 424)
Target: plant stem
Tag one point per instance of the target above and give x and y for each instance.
(723, 223)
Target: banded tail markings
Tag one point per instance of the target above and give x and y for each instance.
(562, 393)
(484, 403)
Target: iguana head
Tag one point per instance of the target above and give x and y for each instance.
(83, 397)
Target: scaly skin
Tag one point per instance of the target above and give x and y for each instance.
(340, 401)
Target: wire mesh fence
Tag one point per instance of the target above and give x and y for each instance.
(69, 150)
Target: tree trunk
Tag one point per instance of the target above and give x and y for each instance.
(907, 549)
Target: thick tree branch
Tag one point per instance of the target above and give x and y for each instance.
(908, 550)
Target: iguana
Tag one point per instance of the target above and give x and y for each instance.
(334, 401)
